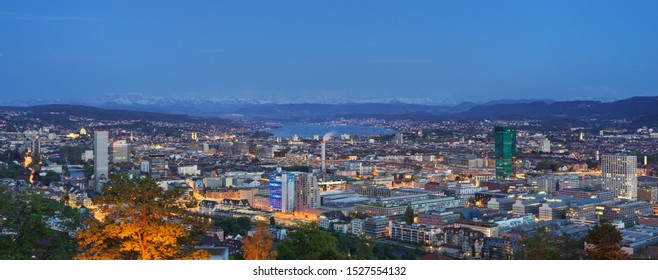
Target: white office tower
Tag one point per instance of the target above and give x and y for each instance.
(88, 155)
(288, 193)
(620, 176)
(145, 166)
(306, 192)
(545, 145)
(399, 139)
(120, 151)
(101, 157)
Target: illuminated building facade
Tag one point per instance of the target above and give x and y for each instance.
(157, 166)
(282, 192)
(487, 228)
(415, 233)
(505, 151)
(500, 248)
(620, 175)
(627, 212)
(376, 227)
(647, 193)
(307, 195)
(120, 151)
(438, 218)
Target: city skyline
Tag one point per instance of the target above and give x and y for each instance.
(451, 52)
(418, 186)
(329, 130)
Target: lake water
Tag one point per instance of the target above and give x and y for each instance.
(307, 131)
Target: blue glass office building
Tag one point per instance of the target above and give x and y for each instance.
(505, 144)
(282, 192)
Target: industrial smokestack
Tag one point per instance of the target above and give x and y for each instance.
(328, 135)
(325, 138)
(323, 157)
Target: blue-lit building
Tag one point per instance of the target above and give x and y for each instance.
(282, 192)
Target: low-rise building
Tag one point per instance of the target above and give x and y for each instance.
(627, 212)
(414, 233)
(377, 227)
(357, 226)
(647, 193)
(501, 203)
(188, 170)
(438, 218)
(588, 208)
(506, 224)
(582, 193)
(648, 221)
(486, 228)
(527, 206)
(638, 237)
(327, 220)
(462, 243)
(552, 211)
(208, 207)
(500, 248)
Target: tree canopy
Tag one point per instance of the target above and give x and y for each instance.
(545, 165)
(234, 225)
(409, 215)
(51, 176)
(259, 245)
(142, 221)
(541, 246)
(36, 227)
(10, 169)
(308, 243)
(603, 243)
(546, 245)
(71, 154)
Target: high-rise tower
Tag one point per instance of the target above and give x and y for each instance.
(101, 157)
(399, 138)
(306, 191)
(158, 166)
(619, 175)
(282, 192)
(505, 137)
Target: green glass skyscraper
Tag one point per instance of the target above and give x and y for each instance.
(505, 151)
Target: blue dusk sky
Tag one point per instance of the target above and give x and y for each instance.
(446, 51)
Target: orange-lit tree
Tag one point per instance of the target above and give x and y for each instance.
(142, 221)
(259, 245)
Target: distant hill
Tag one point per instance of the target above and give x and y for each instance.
(640, 111)
(632, 109)
(62, 112)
